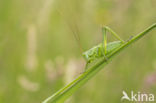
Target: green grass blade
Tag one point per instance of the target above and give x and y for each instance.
(61, 95)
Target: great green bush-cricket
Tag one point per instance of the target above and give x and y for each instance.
(103, 49)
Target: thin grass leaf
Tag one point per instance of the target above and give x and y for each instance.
(61, 95)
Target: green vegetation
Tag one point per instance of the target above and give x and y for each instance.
(64, 93)
(39, 54)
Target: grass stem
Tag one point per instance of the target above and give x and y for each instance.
(61, 95)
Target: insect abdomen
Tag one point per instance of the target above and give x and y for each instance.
(112, 46)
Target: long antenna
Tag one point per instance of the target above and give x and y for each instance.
(74, 29)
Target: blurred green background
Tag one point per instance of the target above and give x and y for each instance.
(40, 52)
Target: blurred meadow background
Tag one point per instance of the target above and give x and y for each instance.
(41, 41)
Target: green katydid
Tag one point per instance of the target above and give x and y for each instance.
(103, 49)
(109, 50)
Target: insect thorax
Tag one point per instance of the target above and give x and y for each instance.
(93, 53)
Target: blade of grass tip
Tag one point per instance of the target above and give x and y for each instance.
(61, 95)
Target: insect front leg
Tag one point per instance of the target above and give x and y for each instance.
(86, 66)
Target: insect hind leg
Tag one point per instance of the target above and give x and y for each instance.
(130, 38)
(104, 43)
(114, 34)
